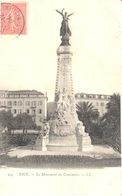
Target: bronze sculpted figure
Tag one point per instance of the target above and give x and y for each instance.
(65, 31)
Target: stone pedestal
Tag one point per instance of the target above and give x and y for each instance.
(41, 143)
(83, 138)
(62, 143)
(84, 143)
(44, 143)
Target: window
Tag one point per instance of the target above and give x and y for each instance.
(27, 103)
(40, 119)
(9, 103)
(97, 103)
(39, 102)
(102, 104)
(15, 103)
(19, 111)
(16, 96)
(90, 96)
(20, 103)
(15, 111)
(102, 96)
(33, 103)
(33, 118)
(81, 95)
(28, 111)
(33, 112)
(40, 111)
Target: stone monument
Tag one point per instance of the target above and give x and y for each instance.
(66, 131)
(62, 135)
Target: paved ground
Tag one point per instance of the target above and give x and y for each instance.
(98, 152)
(26, 157)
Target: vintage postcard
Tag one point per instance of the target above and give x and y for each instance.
(60, 97)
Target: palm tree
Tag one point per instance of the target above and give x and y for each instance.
(88, 114)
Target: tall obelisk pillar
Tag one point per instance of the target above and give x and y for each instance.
(62, 126)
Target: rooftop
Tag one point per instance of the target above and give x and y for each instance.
(20, 92)
(92, 96)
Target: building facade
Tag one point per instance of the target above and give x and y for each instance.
(99, 101)
(31, 102)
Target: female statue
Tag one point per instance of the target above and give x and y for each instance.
(64, 30)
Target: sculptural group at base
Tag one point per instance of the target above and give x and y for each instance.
(80, 141)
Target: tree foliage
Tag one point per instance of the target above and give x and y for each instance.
(111, 120)
(24, 121)
(112, 116)
(88, 114)
(21, 121)
(7, 120)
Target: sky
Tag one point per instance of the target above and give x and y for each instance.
(30, 61)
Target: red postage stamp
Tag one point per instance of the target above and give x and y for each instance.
(13, 18)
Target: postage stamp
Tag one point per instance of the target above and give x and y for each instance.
(13, 18)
